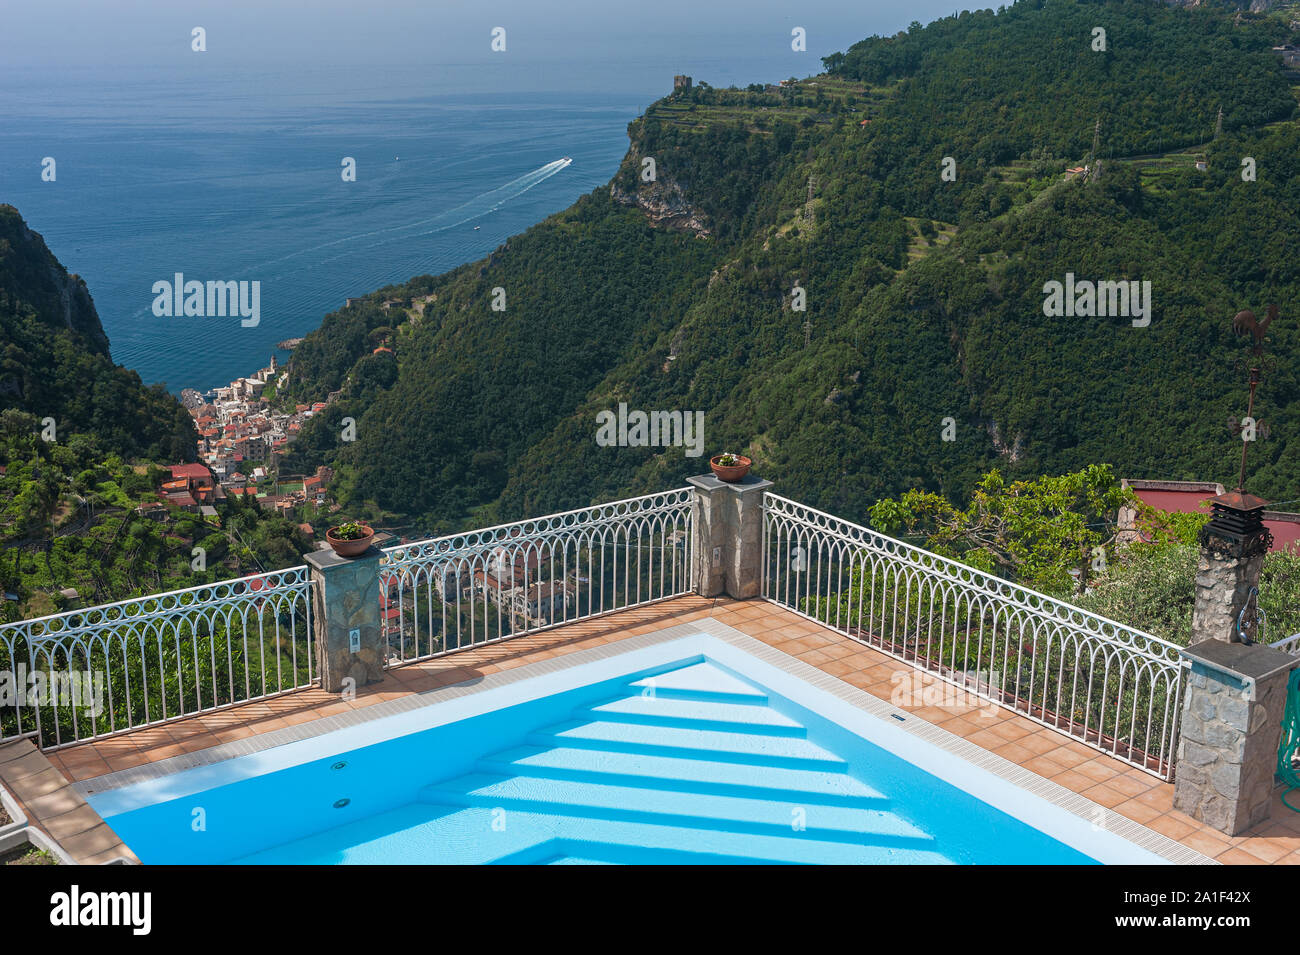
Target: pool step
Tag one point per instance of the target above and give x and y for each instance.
(701, 681)
(585, 799)
(715, 745)
(580, 860)
(761, 850)
(426, 833)
(688, 775)
(662, 710)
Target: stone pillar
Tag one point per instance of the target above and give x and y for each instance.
(1233, 545)
(729, 536)
(345, 604)
(1229, 733)
(707, 511)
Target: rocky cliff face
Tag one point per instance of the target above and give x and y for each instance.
(663, 201)
(30, 274)
(55, 362)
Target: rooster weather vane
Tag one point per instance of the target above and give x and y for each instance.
(1245, 323)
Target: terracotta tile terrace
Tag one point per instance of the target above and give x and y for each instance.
(1104, 780)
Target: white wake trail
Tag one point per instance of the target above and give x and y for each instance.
(480, 205)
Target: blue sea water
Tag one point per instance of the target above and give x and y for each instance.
(254, 192)
(226, 166)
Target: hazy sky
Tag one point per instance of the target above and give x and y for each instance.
(62, 34)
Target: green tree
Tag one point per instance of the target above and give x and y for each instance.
(1034, 532)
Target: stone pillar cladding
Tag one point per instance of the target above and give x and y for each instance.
(345, 597)
(728, 536)
(1233, 545)
(707, 507)
(745, 529)
(1229, 733)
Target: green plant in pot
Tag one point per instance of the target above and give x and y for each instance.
(730, 467)
(350, 538)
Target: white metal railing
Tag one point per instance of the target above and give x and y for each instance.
(1114, 688)
(1289, 644)
(465, 590)
(91, 673)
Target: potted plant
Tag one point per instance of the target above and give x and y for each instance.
(730, 467)
(350, 539)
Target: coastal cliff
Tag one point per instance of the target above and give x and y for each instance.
(663, 200)
(55, 361)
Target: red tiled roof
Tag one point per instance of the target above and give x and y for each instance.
(190, 471)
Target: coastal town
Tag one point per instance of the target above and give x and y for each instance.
(241, 443)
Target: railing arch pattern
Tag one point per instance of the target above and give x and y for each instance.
(466, 590)
(1113, 687)
(86, 674)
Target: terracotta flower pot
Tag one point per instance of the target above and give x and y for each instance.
(732, 473)
(350, 548)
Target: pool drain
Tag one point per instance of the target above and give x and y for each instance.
(340, 803)
(340, 764)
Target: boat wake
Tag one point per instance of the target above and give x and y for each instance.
(495, 199)
(481, 205)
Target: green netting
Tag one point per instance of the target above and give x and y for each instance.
(1289, 752)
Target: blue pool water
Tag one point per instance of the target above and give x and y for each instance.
(683, 761)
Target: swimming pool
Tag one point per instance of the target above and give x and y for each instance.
(691, 749)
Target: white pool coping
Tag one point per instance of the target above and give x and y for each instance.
(1057, 811)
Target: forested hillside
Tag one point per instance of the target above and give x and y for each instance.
(70, 493)
(55, 360)
(924, 293)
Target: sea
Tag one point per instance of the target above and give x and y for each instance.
(236, 173)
